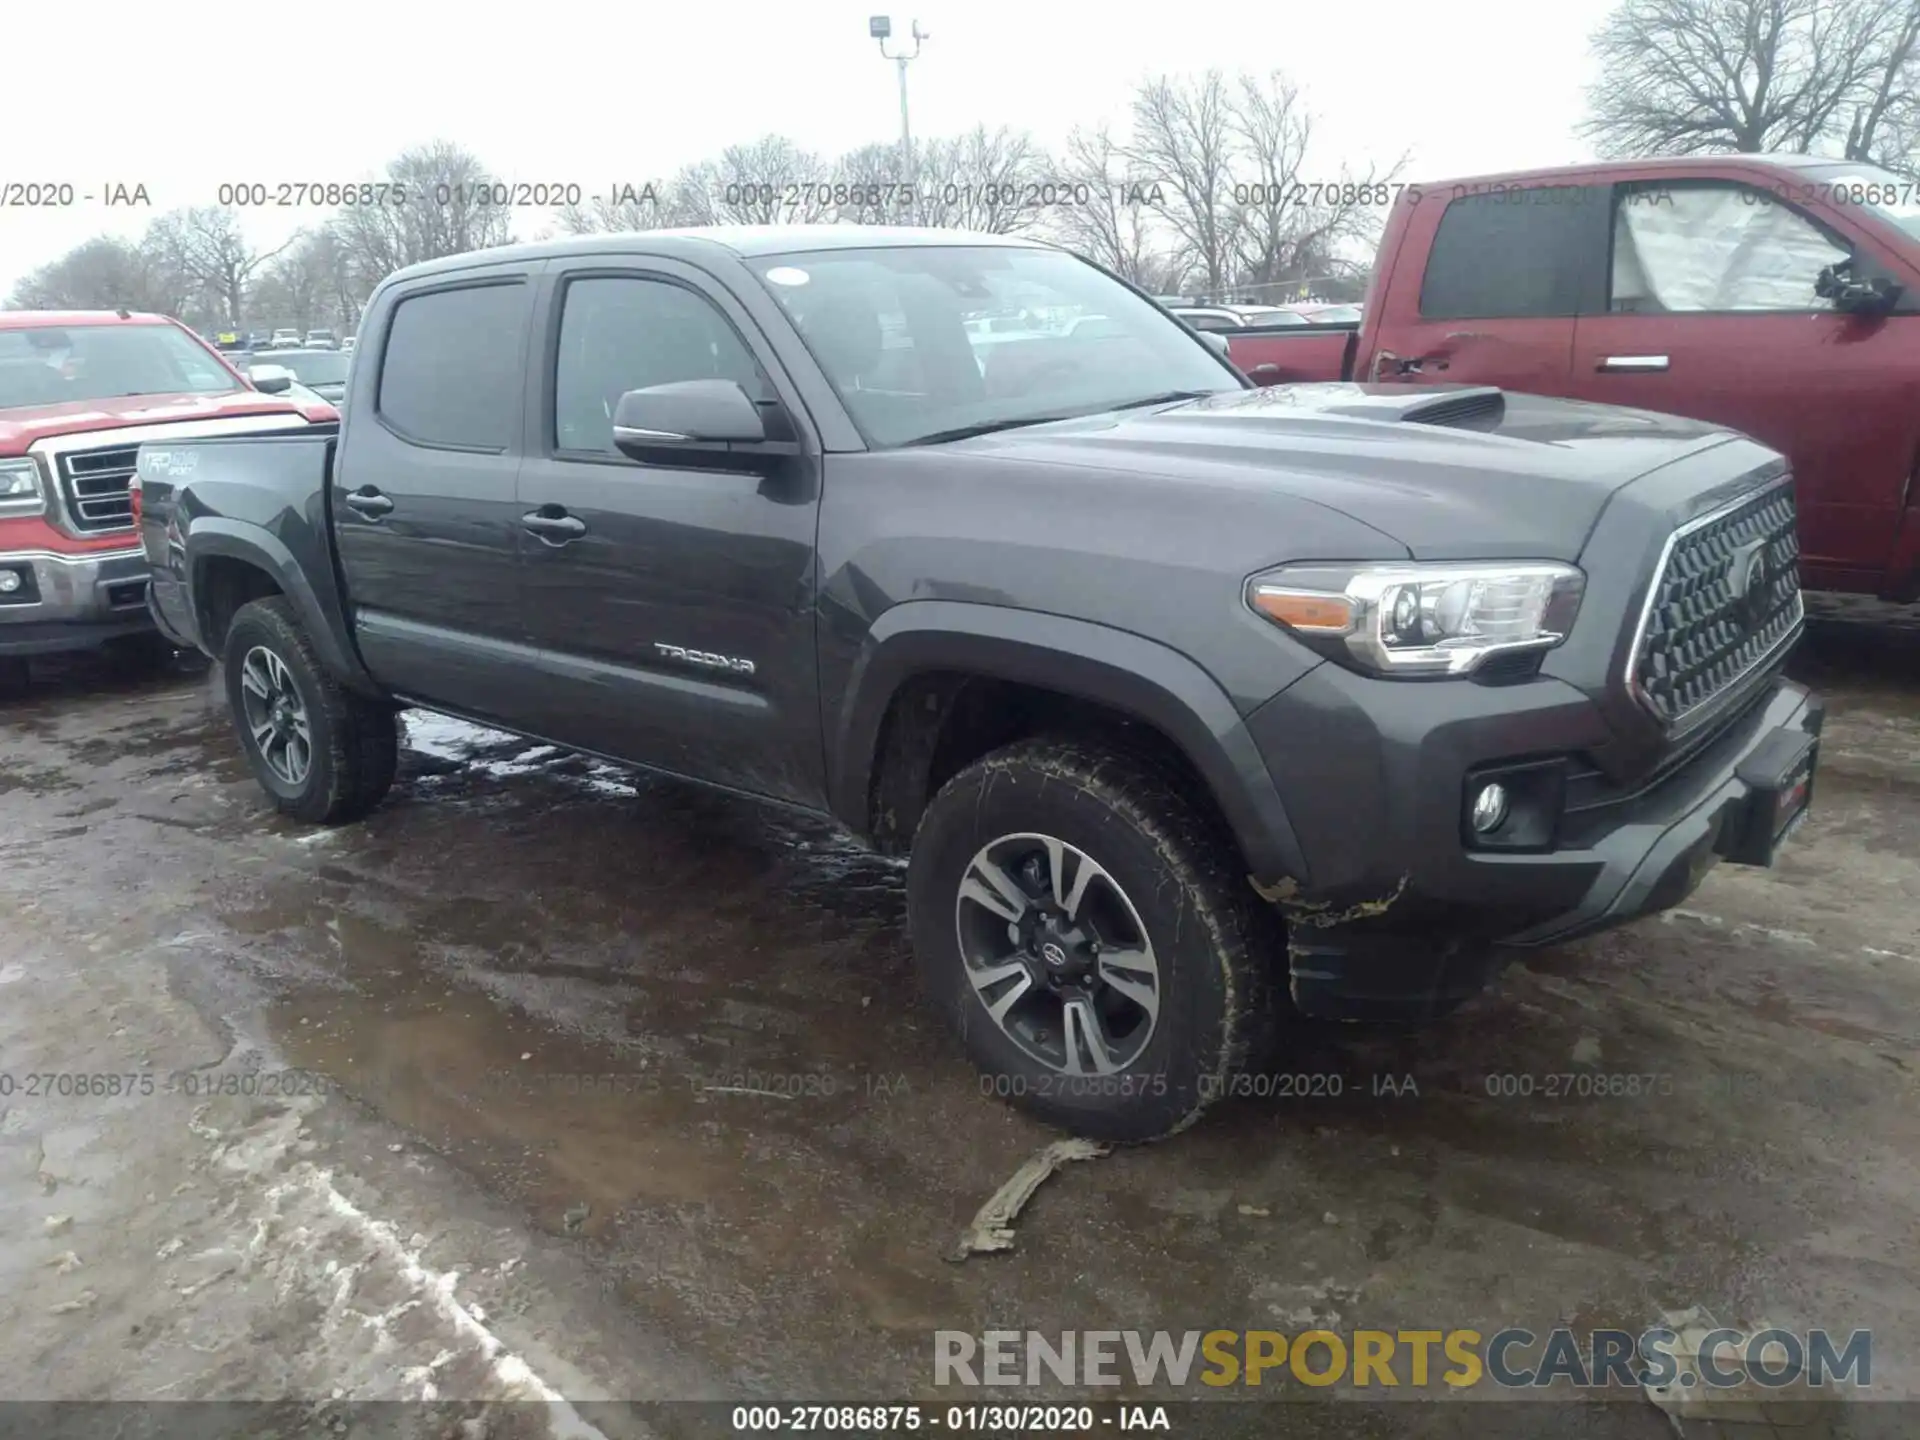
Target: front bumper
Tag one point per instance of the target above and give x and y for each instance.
(72, 601)
(1404, 918)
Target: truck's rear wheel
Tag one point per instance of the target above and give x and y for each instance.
(323, 753)
(15, 678)
(1090, 937)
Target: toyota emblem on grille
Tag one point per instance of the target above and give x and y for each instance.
(1750, 576)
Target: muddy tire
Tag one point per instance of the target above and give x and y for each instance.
(1126, 976)
(324, 754)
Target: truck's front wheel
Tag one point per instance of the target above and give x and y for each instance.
(323, 753)
(1090, 937)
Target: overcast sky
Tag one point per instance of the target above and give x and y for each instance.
(182, 99)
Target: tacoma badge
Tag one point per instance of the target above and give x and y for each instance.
(704, 657)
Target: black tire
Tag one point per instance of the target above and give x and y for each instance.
(355, 742)
(15, 677)
(1217, 946)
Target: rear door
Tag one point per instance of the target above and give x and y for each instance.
(1711, 313)
(1506, 270)
(676, 628)
(425, 515)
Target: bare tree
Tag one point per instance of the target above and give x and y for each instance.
(441, 203)
(1293, 222)
(104, 273)
(1886, 120)
(641, 205)
(205, 246)
(770, 182)
(1694, 76)
(1184, 141)
(1114, 227)
(996, 181)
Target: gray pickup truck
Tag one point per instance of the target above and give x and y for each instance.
(1188, 700)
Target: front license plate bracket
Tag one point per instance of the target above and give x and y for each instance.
(1779, 777)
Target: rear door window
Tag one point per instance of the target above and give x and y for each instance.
(451, 373)
(1507, 253)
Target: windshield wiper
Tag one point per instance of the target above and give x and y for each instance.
(965, 432)
(1171, 397)
(985, 427)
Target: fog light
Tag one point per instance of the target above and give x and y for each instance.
(1489, 809)
(9, 581)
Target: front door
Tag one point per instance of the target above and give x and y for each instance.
(1712, 313)
(425, 517)
(676, 625)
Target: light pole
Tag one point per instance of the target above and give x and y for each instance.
(880, 27)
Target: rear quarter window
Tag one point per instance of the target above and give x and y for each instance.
(1514, 252)
(451, 374)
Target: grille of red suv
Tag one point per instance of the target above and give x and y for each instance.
(94, 485)
(1706, 627)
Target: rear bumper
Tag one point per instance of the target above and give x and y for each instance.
(72, 601)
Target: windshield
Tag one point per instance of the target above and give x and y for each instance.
(314, 367)
(1870, 188)
(898, 333)
(51, 365)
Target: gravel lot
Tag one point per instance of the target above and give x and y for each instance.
(567, 1082)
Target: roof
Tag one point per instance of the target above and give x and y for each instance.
(1572, 172)
(735, 241)
(38, 319)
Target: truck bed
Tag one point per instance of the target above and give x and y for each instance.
(278, 482)
(1279, 354)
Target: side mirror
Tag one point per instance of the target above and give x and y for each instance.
(1216, 342)
(695, 422)
(271, 379)
(1868, 295)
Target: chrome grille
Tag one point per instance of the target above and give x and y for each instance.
(1727, 598)
(94, 485)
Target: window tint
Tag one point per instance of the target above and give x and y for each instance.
(619, 334)
(451, 372)
(1715, 248)
(1509, 253)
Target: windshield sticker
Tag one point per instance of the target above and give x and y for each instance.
(788, 275)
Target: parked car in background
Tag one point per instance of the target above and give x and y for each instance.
(284, 340)
(347, 344)
(79, 391)
(322, 371)
(1237, 317)
(1326, 313)
(321, 340)
(227, 340)
(1119, 648)
(1776, 295)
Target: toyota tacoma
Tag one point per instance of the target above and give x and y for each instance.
(1187, 700)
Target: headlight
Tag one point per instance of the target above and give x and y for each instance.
(1418, 619)
(20, 492)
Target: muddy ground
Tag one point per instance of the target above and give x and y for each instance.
(552, 1081)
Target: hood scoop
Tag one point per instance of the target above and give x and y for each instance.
(1476, 407)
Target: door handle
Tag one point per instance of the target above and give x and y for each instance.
(369, 502)
(1634, 364)
(554, 525)
(1267, 369)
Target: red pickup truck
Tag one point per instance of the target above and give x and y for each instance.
(79, 392)
(1779, 295)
